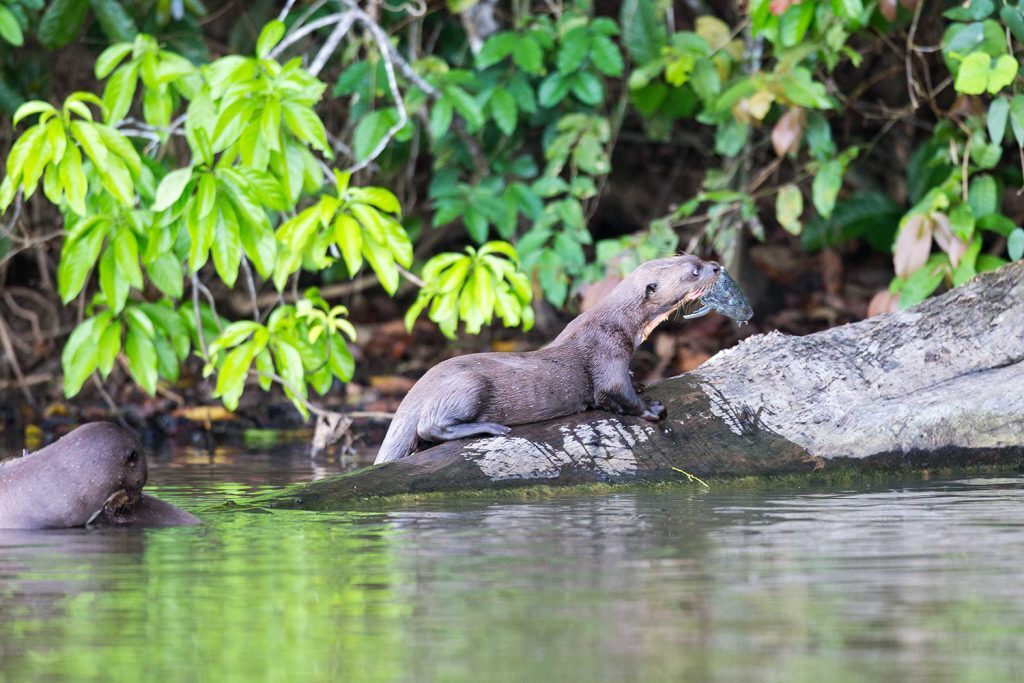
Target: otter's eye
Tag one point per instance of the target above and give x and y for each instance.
(696, 271)
(651, 289)
(133, 458)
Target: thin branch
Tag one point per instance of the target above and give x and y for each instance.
(251, 284)
(301, 33)
(331, 44)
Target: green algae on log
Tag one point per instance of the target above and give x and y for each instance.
(940, 384)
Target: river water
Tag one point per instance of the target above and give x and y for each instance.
(912, 581)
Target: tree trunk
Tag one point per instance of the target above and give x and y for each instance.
(939, 384)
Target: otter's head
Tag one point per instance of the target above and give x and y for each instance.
(116, 452)
(668, 283)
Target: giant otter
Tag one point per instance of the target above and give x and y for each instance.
(94, 475)
(586, 366)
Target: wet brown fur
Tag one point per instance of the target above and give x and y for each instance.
(586, 366)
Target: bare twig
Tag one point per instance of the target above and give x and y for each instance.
(251, 285)
(331, 44)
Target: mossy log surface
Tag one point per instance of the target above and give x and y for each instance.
(940, 384)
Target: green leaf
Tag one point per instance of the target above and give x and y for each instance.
(383, 264)
(983, 195)
(29, 108)
(574, 49)
(371, 130)
(1013, 17)
(527, 55)
(825, 187)
(998, 115)
(553, 90)
(72, 178)
(112, 284)
(605, 56)
(1017, 118)
(80, 355)
(504, 111)
(789, 206)
(77, 258)
(10, 29)
(171, 186)
(227, 245)
(440, 118)
(289, 367)
(973, 76)
(920, 285)
(1015, 245)
(108, 346)
(587, 88)
(232, 373)
(165, 273)
(1004, 70)
(269, 37)
(349, 238)
(116, 23)
(643, 30)
(126, 255)
(971, 11)
(61, 21)
(496, 48)
(466, 105)
(110, 58)
(961, 221)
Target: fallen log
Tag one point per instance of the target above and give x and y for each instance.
(940, 384)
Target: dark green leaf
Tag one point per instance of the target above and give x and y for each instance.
(574, 49)
(605, 56)
(587, 88)
(503, 111)
(371, 130)
(61, 21)
(983, 196)
(553, 90)
(527, 55)
(116, 23)
(643, 30)
(998, 115)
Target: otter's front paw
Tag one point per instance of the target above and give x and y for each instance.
(655, 412)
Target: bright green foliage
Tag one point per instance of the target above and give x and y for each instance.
(474, 287)
(361, 222)
(196, 167)
(251, 131)
(299, 344)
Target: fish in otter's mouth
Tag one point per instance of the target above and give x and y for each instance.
(726, 297)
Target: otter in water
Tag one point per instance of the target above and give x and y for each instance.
(92, 476)
(586, 366)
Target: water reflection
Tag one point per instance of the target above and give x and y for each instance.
(919, 582)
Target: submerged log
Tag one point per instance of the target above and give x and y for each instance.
(940, 384)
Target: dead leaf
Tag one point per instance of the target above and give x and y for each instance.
(204, 413)
(909, 5)
(754, 108)
(788, 130)
(779, 6)
(887, 8)
(883, 302)
(913, 244)
(947, 241)
(593, 292)
(391, 384)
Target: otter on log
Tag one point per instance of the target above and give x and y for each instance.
(586, 366)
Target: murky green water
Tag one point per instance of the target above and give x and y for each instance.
(918, 582)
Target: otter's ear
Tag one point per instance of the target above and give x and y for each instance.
(651, 289)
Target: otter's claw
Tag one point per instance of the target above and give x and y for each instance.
(655, 412)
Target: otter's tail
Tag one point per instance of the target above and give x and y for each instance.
(401, 438)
